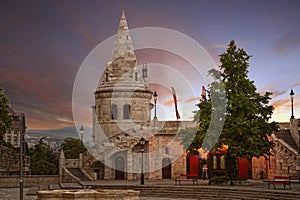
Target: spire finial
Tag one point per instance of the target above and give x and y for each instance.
(123, 43)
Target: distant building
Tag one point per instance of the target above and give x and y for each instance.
(10, 162)
(14, 133)
(10, 158)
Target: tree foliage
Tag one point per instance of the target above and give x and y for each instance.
(43, 161)
(72, 147)
(246, 127)
(5, 119)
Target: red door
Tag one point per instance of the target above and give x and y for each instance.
(243, 167)
(194, 165)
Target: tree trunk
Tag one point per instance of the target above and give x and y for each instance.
(231, 165)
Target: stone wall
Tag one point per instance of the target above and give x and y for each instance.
(10, 162)
(29, 181)
(88, 194)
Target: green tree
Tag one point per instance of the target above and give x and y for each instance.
(43, 161)
(246, 127)
(72, 148)
(5, 119)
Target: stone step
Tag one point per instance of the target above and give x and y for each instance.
(44, 186)
(54, 187)
(211, 192)
(32, 191)
(70, 186)
(79, 174)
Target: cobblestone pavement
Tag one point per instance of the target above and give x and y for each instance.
(14, 194)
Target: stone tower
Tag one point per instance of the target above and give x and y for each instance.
(123, 98)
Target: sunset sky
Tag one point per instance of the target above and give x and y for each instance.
(44, 43)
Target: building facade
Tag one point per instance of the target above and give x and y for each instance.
(122, 116)
(17, 130)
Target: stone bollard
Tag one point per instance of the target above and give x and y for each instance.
(88, 194)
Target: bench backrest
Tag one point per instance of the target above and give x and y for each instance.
(282, 177)
(189, 175)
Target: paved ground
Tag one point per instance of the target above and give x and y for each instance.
(14, 193)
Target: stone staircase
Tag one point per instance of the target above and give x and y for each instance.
(79, 174)
(210, 192)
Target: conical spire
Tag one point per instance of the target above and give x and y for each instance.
(123, 43)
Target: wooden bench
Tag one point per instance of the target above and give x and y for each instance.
(187, 177)
(279, 180)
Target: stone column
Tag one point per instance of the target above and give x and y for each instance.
(61, 165)
(129, 165)
(80, 164)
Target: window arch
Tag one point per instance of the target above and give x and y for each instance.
(114, 111)
(126, 111)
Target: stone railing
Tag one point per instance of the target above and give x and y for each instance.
(71, 163)
(286, 158)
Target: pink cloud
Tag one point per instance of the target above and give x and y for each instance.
(192, 99)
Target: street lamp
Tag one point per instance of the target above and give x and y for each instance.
(155, 100)
(142, 143)
(292, 102)
(81, 130)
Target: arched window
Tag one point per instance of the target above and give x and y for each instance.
(167, 150)
(136, 76)
(215, 162)
(114, 111)
(106, 76)
(222, 160)
(126, 111)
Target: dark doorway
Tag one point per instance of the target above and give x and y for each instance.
(166, 168)
(119, 168)
(99, 169)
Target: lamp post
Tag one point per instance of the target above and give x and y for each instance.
(155, 100)
(22, 153)
(292, 103)
(142, 143)
(81, 130)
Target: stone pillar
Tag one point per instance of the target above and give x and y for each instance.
(129, 165)
(80, 164)
(61, 165)
(298, 165)
(107, 164)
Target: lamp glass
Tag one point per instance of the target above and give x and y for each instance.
(292, 93)
(142, 141)
(155, 96)
(81, 130)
